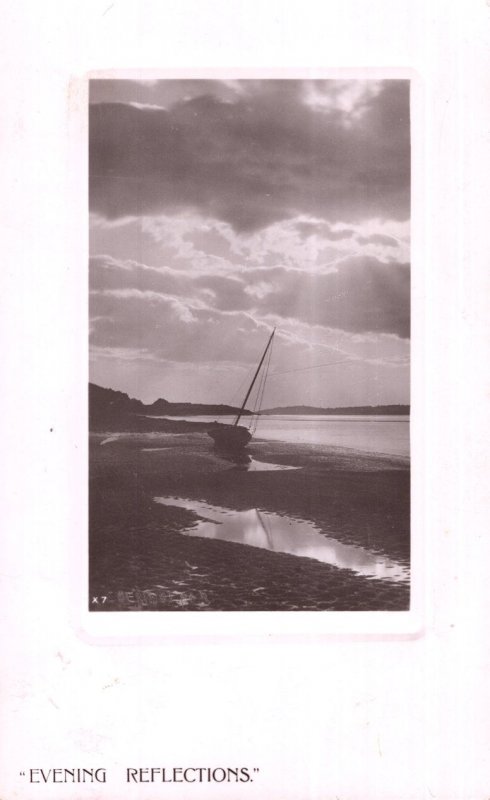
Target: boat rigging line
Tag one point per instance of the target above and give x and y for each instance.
(260, 393)
(313, 366)
(237, 420)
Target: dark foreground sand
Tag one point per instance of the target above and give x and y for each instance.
(140, 560)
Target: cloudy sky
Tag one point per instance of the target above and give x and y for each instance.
(219, 209)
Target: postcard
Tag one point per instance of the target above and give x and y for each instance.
(236, 564)
(250, 344)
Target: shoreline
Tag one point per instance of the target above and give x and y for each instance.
(141, 559)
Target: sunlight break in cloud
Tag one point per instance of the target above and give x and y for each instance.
(221, 208)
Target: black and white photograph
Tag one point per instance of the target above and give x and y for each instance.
(249, 345)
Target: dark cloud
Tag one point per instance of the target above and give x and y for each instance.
(362, 296)
(119, 91)
(155, 93)
(218, 291)
(169, 334)
(378, 238)
(107, 274)
(323, 229)
(252, 157)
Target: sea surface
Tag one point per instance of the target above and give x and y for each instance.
(367, 433)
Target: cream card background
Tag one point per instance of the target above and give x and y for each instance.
(323, 709)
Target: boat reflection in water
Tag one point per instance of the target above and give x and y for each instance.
(239, 458)
(284, 534)
(243, 462)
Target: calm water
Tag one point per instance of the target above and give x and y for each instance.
(373, 434)
(283, 534)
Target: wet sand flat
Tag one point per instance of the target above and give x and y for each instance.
(142, 559)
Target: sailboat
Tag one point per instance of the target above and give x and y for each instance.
(235, 436)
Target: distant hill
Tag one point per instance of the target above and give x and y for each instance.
(400, 410)
(190, 409)
(113, 410)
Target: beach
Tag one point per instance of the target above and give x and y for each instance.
(144, 556)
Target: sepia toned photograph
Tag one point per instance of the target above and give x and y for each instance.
(249, 298)
(245, 499)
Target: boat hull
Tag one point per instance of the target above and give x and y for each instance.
(229, 437)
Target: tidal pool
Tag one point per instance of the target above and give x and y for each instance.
(251, 465)
(283, 534)
(154, 449)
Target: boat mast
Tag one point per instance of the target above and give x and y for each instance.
(254, 378)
